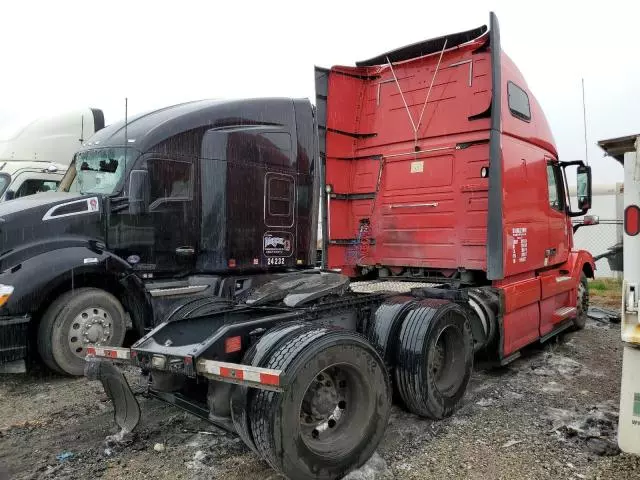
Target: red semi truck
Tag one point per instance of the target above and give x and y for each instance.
(444, 199)
(441, 166)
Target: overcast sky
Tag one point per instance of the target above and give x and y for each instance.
(63, 55)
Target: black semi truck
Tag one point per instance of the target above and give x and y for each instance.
(167, 212)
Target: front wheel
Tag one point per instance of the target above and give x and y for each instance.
(582, 303)
(335, 411)
(76, 320)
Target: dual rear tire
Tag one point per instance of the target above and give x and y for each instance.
(333, 414)
(430, 345)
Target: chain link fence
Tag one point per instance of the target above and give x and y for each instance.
(604, 242)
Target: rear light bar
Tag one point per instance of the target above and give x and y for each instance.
(264, 378)
(114, 353)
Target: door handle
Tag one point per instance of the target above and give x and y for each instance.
(185, 251)
(550, 252)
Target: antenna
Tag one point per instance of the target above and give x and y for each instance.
(126, 107)
(584, 120)
(81, 129)
(126, 138)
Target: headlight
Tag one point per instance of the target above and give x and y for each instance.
(5, 293)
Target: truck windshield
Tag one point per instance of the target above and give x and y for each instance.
(4, 181)
(100, 170)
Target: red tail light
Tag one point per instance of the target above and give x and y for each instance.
(632, 220)
(233, 344)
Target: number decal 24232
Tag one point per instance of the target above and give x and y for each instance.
(275, 261)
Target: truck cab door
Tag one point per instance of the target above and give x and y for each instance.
(557, 250)
(172, 208)
(556, 284)
(163, 236)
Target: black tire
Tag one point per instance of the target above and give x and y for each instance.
(385, 327)
(198, 306)
(435, 358)
(309, 358)
(384, 331)
(582, 303)
(58, 322)
(257, 356)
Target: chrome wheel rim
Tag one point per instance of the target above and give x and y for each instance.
(92, 326)
(335, 406)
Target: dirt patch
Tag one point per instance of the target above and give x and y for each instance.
(550, 414)
(606, 292)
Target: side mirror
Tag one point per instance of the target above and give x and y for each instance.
(139, 192)
(10, 195)
(584, 187)
(591, 220)
(587, 221)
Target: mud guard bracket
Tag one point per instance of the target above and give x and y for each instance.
(125, 406)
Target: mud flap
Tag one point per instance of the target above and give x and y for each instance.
(125, 406)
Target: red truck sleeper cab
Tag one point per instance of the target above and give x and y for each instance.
(440, 161)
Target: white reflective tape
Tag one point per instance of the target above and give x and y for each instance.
(109, 352)
(239, 373)
(252, 376)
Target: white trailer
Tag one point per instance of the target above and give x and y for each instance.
(36, 158)
(626, 150)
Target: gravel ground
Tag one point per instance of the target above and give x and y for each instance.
(550, 414)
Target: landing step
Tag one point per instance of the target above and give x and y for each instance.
(561, 328)
(564, 313)
(510, 358)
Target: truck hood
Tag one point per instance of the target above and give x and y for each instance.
(34, 201)
(47, 221)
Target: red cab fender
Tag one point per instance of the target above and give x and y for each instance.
(580, 261)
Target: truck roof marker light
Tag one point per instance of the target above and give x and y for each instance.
(232, 344)
(632, 220)
(232, 263)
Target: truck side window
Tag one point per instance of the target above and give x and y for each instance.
(280, 195)
(519, 102)
(280, 189)
(170, 180)
(554, 181)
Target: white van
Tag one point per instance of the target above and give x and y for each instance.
(36, 158)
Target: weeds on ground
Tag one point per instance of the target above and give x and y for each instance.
(605, 291)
